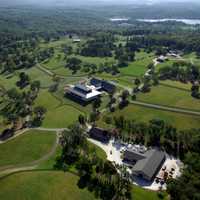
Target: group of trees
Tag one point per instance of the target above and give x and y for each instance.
(183, 72)
(101, 177)
(180, 71)
(98, 175)
(124, 54)
(19, 106)
(156, 133)
(22, 56)
(101, 46)
(73, 64)
(183, 144)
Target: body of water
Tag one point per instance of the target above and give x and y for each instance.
(118, 19)
(186, 21)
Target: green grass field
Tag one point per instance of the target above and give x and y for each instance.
(100, 153)
(139, 193)
(169, 96)
(43, 185)
(26, 148)
(165, 64)
(143, 114)
(54, 185)
(177, 84)
(58, 115)
(8, 81)
(139, 66)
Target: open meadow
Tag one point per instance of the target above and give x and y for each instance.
(170, 96)
(26, 148)
(139, 66)
(144, 114)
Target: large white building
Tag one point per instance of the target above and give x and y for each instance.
(83, 92)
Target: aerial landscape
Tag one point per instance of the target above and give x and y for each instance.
(99, 100)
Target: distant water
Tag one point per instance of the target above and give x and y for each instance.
(118, 19)
(186, 21)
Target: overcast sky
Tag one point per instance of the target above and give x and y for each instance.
(81, 2)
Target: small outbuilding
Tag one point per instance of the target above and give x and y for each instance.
(99, 134)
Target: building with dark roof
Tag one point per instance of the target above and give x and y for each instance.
(103, 85)
(99, 134)
(145, 165)
(96, 82)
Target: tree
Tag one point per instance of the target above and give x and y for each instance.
(96, 103)
(124, 99)
(35, 86)
(81, 119)
(137, 82)
(74, 64)
(24, 80)
(39, 112)
(195, 91)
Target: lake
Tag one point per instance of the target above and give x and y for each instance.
(118, 19)
(186, 21)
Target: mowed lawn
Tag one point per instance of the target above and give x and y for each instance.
(177, 84)
(26, 148)
(44, 185)
(139, 66)
(139, 193)
(169, 96)
(143, 114)
(55, 185)
(8, 81)
(36, 74)
(58, 114)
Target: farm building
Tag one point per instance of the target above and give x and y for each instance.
(83, 92)
(76, 40)
(99, 134)
(103, 85)
(145, 165)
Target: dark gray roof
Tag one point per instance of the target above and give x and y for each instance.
(150, 164)
(99, 134)
(106, 85)
(133, 156)
(96, 82)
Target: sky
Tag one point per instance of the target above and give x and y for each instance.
(82, 2)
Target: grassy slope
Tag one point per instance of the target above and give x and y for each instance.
(142, 194)
(143, 114)
(170, 96)
(177, 84)
(26, 148)
(100, 153)
(54, 185)
(43, 185)
(58, 115)
(139, 66)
